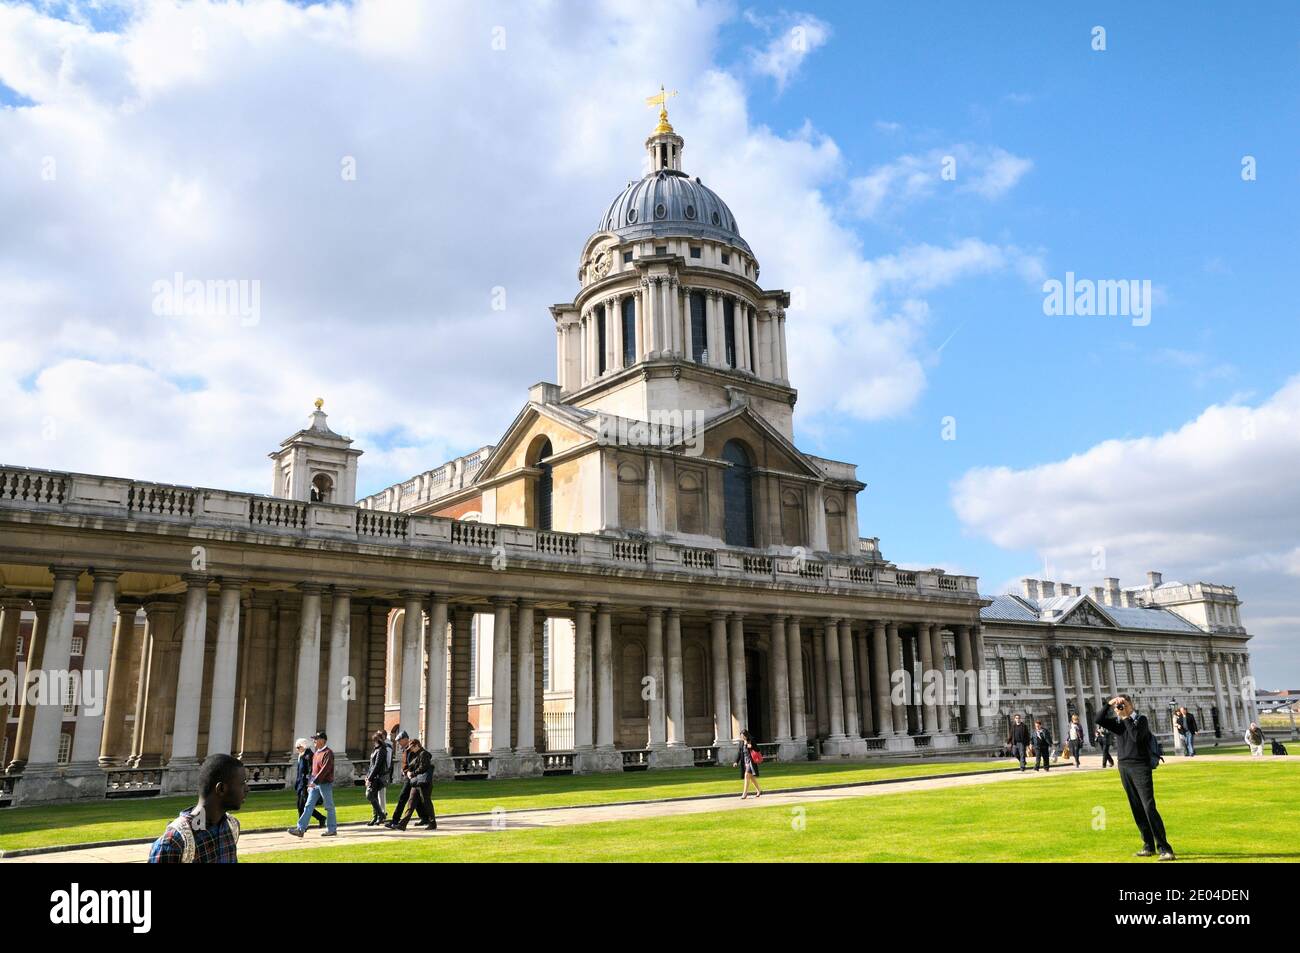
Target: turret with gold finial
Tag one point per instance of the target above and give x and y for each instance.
(664, 145)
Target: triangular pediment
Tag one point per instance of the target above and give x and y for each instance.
(565, 426)
(1087, 613)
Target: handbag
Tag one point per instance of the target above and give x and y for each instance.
(756, 756)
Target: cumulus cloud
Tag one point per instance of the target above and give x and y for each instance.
(1215, 500)
(986, 171)
(794, 37)
(388, 179)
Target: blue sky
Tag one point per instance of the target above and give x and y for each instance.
(206, 138)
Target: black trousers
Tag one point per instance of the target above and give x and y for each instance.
(1043, 756)
(1106, 759)
(1136, 779)
(1075, 745)
(302, 802)
(420, 805)
(372, 795)
(1019, 751)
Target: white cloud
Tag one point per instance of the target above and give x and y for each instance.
(1215, 500)
(795, 37)
(989, 172)
(208, 139)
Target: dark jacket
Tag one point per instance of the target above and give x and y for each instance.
(1190, 724)
(420, 764)
(1019, 734)
(1043, 741)
(304, 772)
(378, 774)
(1132, 736)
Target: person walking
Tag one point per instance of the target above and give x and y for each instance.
(1018, 740)
(377, 777)
(304, 749)
(1255, 738)
(1075, 738)
(407, 752)
(1189, 728)
(1102, 740)
(207, 833)
(1133, 744)
(419, 767)
(320, 788)
(747, 759)
(1041, 743)
(1177, 724)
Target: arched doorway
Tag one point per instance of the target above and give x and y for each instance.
(737, 495)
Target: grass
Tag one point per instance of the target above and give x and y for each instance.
(133, 819)
(1213, 811)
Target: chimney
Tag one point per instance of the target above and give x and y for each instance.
(1048, 589)
(1112, 590)
(1097, 594)
(1128, 599)
(1030, 587)
(1153, 579)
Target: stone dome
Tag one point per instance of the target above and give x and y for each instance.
(670, 203)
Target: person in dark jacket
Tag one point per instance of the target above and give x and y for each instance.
(1018, 739)
(1041, 742)
(1133, 747)
(377, 777)
(301, 780)
(1102, 740)
(407, 752)
(1188, 727)
(1075, 738)
(745, 761)
(419, 767)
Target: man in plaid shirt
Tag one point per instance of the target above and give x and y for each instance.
(207, 833)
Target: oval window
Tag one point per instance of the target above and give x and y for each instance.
(716, 220)
(690, 212)
(660, 211)
(631, 215)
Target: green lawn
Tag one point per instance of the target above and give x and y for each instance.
(1214, 811)
(131, 819)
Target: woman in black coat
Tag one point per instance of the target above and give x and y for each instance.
(745, 761)
(377, 778)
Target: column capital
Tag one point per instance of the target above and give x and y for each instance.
(231, 582)
(655, 610)
(778, 617)
(66, 572)
(106, 573)
(674, 613)
(411, 595)
(718, 615)
(526, 603)
(603, 608)
(438, 598)
(505, 602)
(310, 588)
(584, 607)
(13, 601)
(196, 580)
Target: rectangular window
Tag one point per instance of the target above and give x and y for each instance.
(473, 657)
(729, 330)
(627, 257)
(78, 645)
(70, 698)
(695, 251)
(19, 650)
(699, 335)
(661, 249)
(726, 258)
(601, 335)
(65, 748)
(629, 331)
(546, 655)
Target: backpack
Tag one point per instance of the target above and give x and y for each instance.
(1278, 748)
(1155, 753)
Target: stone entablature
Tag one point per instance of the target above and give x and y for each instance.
(292, 523)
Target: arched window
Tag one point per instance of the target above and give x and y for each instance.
(737, 495)
(601, 334)
(544, 486)
(729, 330)
(322, 489)
(792, 522)
(699, 335)
(629, 331)
(834, 525)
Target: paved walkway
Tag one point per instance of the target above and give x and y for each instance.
(464, 824)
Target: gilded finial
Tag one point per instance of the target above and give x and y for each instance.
(661, 100)
(320, 402)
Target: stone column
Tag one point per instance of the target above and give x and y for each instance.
(307, 688)
(501, 678)
(834, 685)
(1098, 690)
(821, 700)
(739, 683)
(1237, 694)
(526, 758)
(941, 712)
(12, 608)
(257, 683)
(721, 690)
(895, 664)
(880, 676)
(408, 692)
(157, 695)
(676, 682)
(977, 647)
(604, 680)
(780, 681)
(929, 717)
(1080, 692)
(1108, 653)
(96, 666)
(115, 747)
(336, 693)
(862, 671)
(798, 704)
(654, 627)
(435, 690)
(458, 714)
(582, 700)
(848, 680)
(1057, 652)
(1213, 665)
(969, 685)
(47, 721)
(189, 684)
(225, 667)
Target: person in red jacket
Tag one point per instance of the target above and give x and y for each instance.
(320, 787)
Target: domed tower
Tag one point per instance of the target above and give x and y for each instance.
(670, 316)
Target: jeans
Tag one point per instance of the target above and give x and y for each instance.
(320, 793)
(1188, 745)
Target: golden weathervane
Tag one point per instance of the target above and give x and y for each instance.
(661, 100)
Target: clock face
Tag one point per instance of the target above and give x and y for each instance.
(600, 267)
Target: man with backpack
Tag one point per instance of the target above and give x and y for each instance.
(1138, 753)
